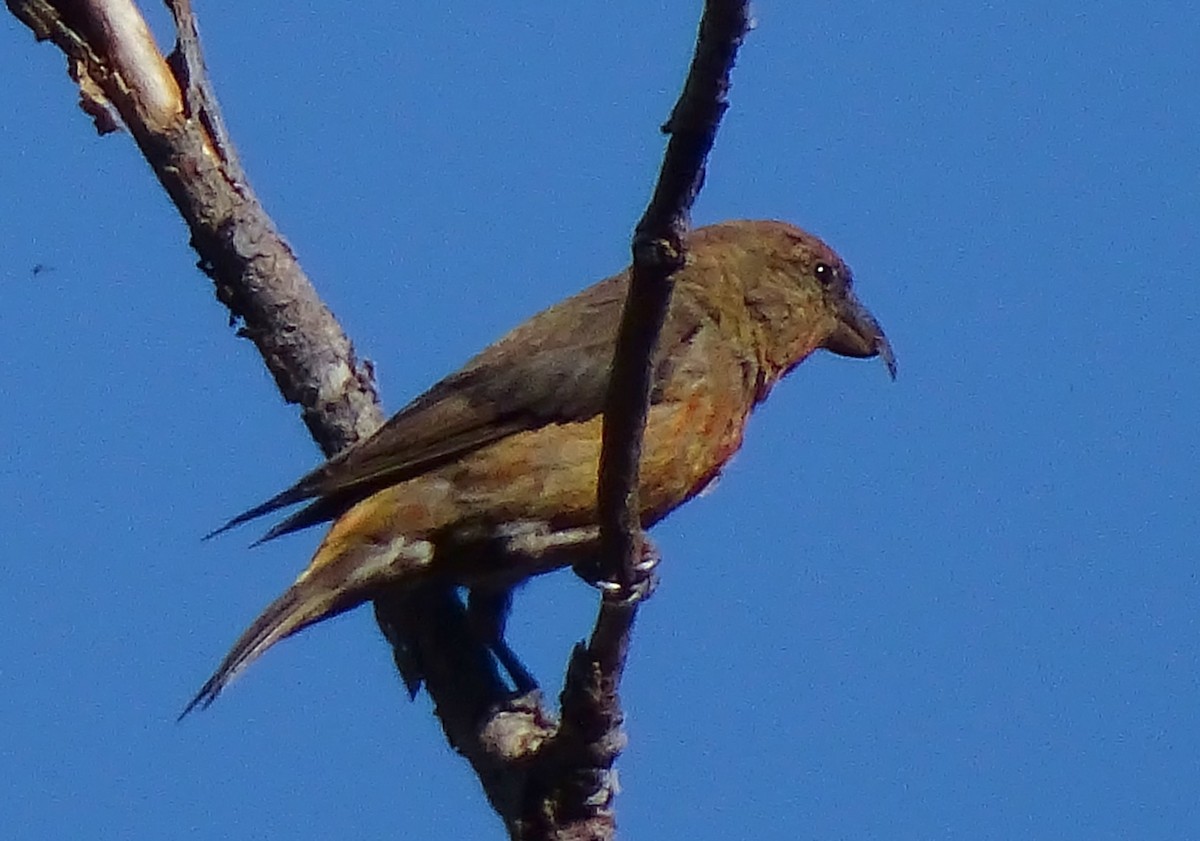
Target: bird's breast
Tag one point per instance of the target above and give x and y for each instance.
(534, 493)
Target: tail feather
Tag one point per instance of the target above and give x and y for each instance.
(318, 511)
(305, 602)
(281, 500)
(325, 506)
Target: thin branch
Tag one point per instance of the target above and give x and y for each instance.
(576, 800)
(658, 252)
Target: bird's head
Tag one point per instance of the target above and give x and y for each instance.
(799, 294)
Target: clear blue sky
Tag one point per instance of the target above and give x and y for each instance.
(959, 606)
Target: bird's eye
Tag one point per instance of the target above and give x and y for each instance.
(825, 274)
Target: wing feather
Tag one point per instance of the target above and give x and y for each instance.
(551, 369)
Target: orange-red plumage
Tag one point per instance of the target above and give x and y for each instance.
(490, 476)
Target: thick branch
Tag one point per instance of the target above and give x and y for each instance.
(122, 77)
(545, 780)
(255, 272)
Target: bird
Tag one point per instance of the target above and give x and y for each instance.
(489, 477)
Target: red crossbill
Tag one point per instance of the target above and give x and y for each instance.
(489, 477)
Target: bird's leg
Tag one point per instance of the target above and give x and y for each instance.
(487, 612)
(433, 621)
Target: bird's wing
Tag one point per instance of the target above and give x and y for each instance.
(551, 369)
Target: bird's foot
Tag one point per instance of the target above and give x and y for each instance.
(642, 582)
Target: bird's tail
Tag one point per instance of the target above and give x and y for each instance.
(307, 601)
(351, 565)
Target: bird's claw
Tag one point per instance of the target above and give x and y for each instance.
(639, 590)
(642, 582)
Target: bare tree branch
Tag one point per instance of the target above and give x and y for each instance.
(258, 277)
(546, 779)
(658, 252)
(577, 800)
